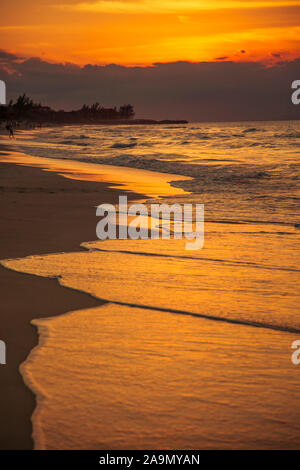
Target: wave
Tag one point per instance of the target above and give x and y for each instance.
(227, 262)
(229, 173)
(119, 145)
(76, 136)
(288, 135)
(269, 326)
(234, 321)
(251, 129)
(219, 164)
(71, 142)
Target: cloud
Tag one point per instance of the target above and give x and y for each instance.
(205, 91)
(7, 56)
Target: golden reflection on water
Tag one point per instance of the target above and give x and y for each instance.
(117, 377)
(250, 286)
(145, 182)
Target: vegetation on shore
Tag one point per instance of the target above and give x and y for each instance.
(25, 112)
(24, 109)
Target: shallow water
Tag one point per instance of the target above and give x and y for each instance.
(240, 171)
(194, 348)
(117, 377)
(148, 145)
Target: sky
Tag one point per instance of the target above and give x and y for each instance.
(183, 59)
(142, 32)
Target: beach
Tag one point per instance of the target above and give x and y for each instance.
(144, 344)
(41, 212)
(150, 229)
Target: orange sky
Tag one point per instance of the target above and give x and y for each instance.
(146, 31)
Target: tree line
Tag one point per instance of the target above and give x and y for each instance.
(25, 109)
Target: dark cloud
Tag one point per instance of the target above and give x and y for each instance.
(206, 91)
(276, 54)
(221, 58)
(7, 56)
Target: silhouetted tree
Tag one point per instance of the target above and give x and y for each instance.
(25, 109)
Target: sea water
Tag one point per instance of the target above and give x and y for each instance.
(193, 348)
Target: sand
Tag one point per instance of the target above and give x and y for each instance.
(41, 212)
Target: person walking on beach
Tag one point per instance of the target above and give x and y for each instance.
(10, 130)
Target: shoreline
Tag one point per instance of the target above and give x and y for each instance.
(42, 212)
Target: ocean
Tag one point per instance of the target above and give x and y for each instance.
(193, 349)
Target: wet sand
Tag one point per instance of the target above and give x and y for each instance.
(41, 212)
